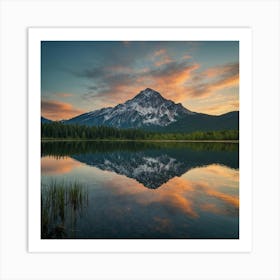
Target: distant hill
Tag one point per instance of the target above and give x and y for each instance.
(44, 120)
(203, 122)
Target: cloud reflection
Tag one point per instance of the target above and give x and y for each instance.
(188, 194)
(53, 166)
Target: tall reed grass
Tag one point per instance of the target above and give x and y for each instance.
(61, 203)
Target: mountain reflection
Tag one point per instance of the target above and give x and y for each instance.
(151, 164)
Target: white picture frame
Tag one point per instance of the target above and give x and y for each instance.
(243, 35)
(261, 262)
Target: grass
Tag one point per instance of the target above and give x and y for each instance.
(61, 203)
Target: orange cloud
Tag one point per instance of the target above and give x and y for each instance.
(53, 166)
(179, 81)
(186, 56)
(221, 70)
(185, 83)
(229, 199)
(221, 171)
(172, 194)
(224, 83)
(214, 79)
(171, 85)
(163, 61)
(63, 94)
(215, 175)
(212, 208)
(159, 52)
(168, 79)
(161, 56)
(176, 193)
(56, 110)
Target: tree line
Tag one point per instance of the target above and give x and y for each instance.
(68, 148)
(59, 130)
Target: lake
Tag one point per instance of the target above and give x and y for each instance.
(155, 190)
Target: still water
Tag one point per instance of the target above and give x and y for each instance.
(139, 190)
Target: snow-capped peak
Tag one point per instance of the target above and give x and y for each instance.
(147, 108)
(148, 92)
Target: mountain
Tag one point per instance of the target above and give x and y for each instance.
(150, 111)
(148, 108)
(44, 120)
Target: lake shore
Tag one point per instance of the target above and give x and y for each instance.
(137, 140)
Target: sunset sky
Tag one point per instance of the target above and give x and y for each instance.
(82, 76)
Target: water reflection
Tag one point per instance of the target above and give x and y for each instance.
(145, 190)
(52, 166)
(151, 164)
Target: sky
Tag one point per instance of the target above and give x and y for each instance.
(82, 76)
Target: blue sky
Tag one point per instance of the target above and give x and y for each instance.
(82, 76)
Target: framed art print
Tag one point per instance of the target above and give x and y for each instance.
(140, 139)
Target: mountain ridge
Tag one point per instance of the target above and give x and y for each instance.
(146, 109)
(149, 110)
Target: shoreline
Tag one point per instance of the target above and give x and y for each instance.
(138, 140)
